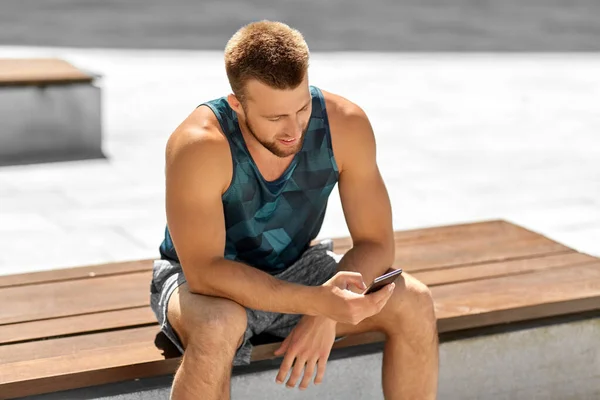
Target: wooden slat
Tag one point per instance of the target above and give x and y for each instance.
(476, 272)
(77, 344)
(39, 71)
(52, 300)
(476, 251)
(443, 232)
(435, 248)
(540, 294)
(491, 228)
(76, 324)
(65, 274)
(87, 368)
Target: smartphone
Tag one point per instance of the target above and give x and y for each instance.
(383, 280)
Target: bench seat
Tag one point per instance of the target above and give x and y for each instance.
(86, 326)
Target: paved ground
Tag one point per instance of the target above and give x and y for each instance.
(333, 25)
(461, 138)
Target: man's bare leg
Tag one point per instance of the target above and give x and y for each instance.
(211, 329)
(410, 367)
(411, 354)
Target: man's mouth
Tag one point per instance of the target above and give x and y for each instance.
(287, 141)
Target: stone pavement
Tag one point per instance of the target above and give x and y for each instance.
(460, 138)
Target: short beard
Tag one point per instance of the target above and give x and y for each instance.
(272, 146)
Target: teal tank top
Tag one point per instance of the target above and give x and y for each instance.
(269, 224)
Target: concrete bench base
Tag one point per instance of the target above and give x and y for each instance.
(55, 122)
(556, 360)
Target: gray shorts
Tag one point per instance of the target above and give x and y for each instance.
(316, 266)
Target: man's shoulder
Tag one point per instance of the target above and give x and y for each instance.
(199, 130)
(198, 142)
(351, 131)
(342, 110)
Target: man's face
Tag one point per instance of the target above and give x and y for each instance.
(277, 119)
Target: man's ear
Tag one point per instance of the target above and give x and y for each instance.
(235, 104)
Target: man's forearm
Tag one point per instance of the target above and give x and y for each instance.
(255, 289)
(369, 258)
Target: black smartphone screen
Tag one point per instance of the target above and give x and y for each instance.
(383, 280)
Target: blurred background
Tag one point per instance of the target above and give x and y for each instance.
(481, 110)
(334, 25)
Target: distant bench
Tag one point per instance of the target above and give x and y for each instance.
(50, 111)
(88, 326)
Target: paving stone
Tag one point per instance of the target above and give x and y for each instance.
(24, 222)
(43, 250)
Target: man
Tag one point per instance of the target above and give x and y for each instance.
(247, 182)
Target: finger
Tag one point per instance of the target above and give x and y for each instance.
(308, 373)
(286, 364)
(321, 364)
(296, 372)
(283, 348)
(354, 278)
(361, 286)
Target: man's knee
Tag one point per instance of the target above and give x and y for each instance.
(225, 324)
(206, 321)
(411, 305)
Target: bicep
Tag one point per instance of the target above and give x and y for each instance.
(195, 210)
(366, 204)
(363, 194)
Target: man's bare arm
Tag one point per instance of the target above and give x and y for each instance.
(198, 170)
(363, 194)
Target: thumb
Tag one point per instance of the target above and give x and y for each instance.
(283, 348)
(382, 295)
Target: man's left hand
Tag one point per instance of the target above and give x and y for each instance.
(309, 345)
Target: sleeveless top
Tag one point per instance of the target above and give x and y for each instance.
(269, 224)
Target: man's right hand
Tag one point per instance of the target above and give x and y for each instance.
(348, 307)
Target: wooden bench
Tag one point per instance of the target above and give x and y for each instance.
(50, 111)
(87, 326)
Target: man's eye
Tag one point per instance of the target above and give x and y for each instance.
(274, 119)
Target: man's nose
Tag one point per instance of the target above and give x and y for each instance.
(296, 128)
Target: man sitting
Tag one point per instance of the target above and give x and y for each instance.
(248, 178)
